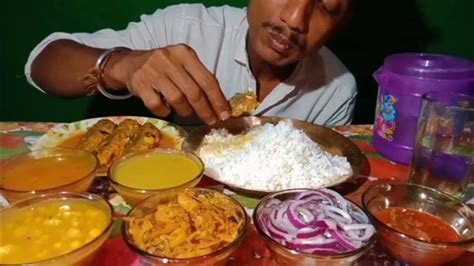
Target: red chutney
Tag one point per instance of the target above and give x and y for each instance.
(417, 224)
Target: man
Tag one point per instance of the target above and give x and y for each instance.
(192, 59)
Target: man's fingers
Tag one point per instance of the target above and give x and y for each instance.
(174, 97)
(210, 86)
(154, 103)
(150, 97)
(194, 94)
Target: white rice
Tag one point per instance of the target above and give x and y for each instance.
(269, 158)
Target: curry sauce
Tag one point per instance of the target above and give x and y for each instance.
(417, 224)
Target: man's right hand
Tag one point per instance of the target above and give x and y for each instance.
(169, 77)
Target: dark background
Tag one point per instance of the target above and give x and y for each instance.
(378, 29)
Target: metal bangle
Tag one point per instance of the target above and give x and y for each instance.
(100, 64)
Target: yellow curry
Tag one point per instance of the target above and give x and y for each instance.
(159, 170)
(48, 229)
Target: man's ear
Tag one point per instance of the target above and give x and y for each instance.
(351, 10)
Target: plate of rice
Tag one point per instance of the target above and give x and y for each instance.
(259, 155)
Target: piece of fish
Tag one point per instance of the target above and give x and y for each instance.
(147, 138)
(114, 145)
(93, 138)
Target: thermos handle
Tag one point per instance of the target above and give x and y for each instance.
(380, 75)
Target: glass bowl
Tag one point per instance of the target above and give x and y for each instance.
(286, 256)
(218, 257)
(43, 228)
(409, 249)
(134, 194)
(47, 171)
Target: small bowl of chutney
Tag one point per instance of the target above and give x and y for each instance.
(419, 225)
(137, 176)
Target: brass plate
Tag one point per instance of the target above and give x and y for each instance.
(328, 139)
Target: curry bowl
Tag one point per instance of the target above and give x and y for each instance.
(419, 225)
(137, 176)
(327, 140)
(189, 226)
(47, 171)
(313, 227)
(55, 229)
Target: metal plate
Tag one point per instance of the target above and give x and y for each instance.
(328, 139)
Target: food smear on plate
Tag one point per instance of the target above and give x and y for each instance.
(418, 224)
(269, 158)
(190, 225)
(48, 229)
(320, 222)
(45, 172)
(243, 103)
(157, 170)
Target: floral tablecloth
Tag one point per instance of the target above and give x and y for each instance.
(17, 137)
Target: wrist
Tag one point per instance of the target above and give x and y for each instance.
(115, 73)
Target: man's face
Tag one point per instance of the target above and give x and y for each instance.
(282, 32)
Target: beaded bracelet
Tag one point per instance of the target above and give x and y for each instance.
(95, 78)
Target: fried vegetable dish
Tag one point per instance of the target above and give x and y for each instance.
(110, 141)
(189, 225)
(243, 103)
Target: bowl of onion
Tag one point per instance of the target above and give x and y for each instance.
(309, 227)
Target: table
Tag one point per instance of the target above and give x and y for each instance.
(17, 137)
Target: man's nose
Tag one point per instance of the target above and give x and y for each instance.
(297, 13)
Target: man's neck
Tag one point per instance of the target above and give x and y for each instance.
(267, 76)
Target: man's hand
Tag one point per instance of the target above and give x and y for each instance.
(170, 77)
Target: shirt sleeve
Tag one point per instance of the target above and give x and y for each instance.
(164, 26)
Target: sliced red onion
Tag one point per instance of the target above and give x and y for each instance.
(293, 216)
(310, 232)
(306, 215)
(337, 214)
(341, 202)
(304, 247)
(318, 221)
(323, 251)
(342, 240)
(351, 229)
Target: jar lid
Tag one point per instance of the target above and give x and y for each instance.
(429, 66)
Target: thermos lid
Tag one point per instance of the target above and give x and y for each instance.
(429, 66)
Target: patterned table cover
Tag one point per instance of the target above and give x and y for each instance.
(18, 137)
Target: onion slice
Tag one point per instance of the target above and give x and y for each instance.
(319, 222)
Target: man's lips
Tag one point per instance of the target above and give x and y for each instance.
(280, 43)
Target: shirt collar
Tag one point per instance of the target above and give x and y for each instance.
(240, 52)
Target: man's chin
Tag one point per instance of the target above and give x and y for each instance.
(279, 61)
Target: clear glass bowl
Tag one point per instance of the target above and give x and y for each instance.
(287, 256)
(218, 257)
(79, 185)
(134, 195)
(83, 255)
(409, 249)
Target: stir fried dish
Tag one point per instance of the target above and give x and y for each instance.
(189, 225)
